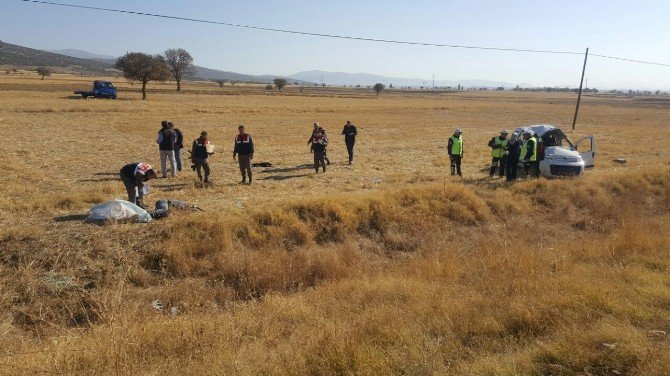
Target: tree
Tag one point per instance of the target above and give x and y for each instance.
(180, 64)
(220, 82)
(44, 71)
(269, 87)
(142, 67)
(378, 87)
(390, 86)
(279, 83)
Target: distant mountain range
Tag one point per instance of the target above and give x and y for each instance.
(80, 61)
(367, 79)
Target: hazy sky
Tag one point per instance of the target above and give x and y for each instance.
(633, 29)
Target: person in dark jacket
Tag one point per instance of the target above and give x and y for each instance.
(317, 129)
(178, 145)
(529, 154)
(350, 132)
(319, 144)
(133, 176)
(166, 140)
(513, 154)
(199, 154)
(244, 150)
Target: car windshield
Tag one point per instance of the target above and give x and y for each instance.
(105, 85)
(557, 138)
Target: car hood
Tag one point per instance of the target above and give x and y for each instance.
(561, 154)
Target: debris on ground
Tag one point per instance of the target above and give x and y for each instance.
(658, 333)
(262, 164)
(59, 282)
(157, 305)
(620, 160)
(610, 346)
(117, 211)
(181, 205)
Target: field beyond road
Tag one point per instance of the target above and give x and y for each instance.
(388, 266)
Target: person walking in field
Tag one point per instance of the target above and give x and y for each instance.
(513, 155)
(319, 144)
(178, 145)
(199, 155)
(350, 132)
(134, 175)
(244, 150)
(455, 150)
(531, 163)
(166, 140)
(318, 130)
(498, 147)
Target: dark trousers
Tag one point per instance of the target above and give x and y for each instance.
(350, 149)
(532, 168)
(510, 169)
(131, 189)
(245, 166)
(319, 160)
(494, 164)
(201, 164)
(456, 165)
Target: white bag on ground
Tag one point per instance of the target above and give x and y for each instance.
(117, 211)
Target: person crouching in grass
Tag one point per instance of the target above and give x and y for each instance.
(133, 176)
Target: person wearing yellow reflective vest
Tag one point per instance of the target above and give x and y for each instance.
(531, 163)
(455, 149)
(498, 147)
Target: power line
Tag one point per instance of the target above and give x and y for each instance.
(337, 36)
(303, 32)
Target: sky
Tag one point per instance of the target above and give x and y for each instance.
(631, 29)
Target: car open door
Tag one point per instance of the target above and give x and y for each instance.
(586, 146)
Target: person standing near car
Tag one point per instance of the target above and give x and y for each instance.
(178, 145)
(244, 150)
(199, 155)
(498, 147)
(166, 140)
(350, 132)
(513, 154)
(531, 163)
(455, 150)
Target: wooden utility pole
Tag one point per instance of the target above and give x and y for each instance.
(579, 94)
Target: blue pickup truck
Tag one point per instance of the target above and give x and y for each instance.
(101, 89)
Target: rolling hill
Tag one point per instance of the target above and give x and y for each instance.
(19, 56)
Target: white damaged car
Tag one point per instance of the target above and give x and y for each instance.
(561, 156)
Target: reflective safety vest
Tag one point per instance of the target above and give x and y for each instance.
(500, 151)
(524, 149)
(457, 145)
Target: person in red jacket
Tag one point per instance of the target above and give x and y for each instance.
(244, 151)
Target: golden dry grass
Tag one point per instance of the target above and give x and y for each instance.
(386, 267)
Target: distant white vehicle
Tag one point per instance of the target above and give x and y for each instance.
(561, 156)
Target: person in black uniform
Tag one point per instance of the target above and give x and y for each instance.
(199, 156)
(350, 132)
(513, 155)
(244, 150)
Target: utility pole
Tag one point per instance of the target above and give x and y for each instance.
(579, 94)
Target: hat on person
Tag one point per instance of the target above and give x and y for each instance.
(203, 133)
(504, 131)
(528, 132)
(458, 130)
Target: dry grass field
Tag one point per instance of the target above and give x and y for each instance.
(389, 266)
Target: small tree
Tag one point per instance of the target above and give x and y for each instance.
(44, 71)
(142, 67)
(180, 64)
(378, 87)
(220, 82)
(269, 87)
(279, 83)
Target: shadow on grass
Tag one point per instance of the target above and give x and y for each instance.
(284, 177)
(287, 169)
(172, 187)
(97, 180)
(70, 218)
